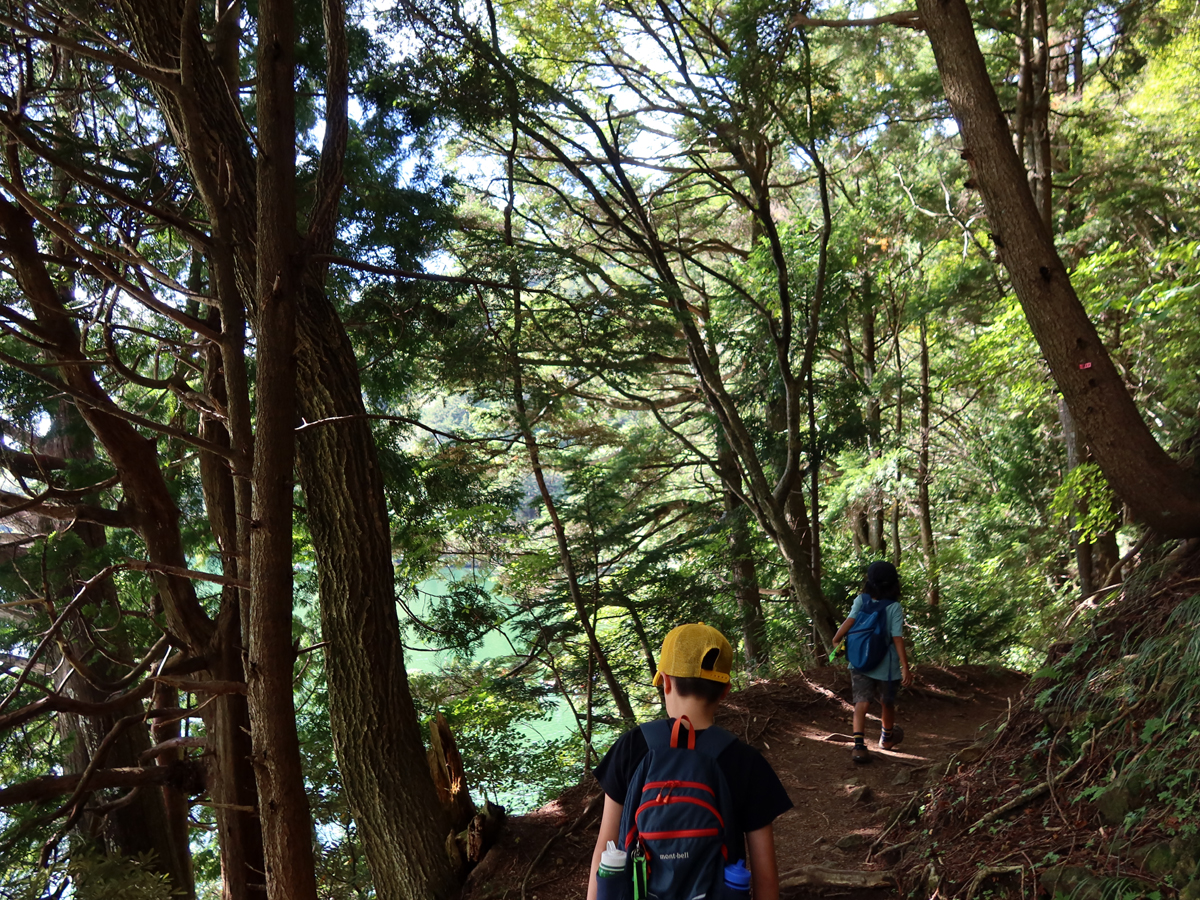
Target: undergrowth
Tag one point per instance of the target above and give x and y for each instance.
(1091, 786)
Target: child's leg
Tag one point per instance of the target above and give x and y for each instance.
(891, 735)
(864, 690)
(860, 717)
(888, 717)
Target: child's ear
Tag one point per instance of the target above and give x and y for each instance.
(666, 683)
(725, 693)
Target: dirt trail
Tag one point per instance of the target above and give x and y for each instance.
(841, 807)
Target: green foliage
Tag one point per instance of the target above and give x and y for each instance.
(1085, 496)
(1148, 676)
(90, 876)
(496, 721)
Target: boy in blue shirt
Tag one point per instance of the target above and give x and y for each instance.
(884, 680)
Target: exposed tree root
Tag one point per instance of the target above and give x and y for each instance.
(820, 876)
(1034, 792)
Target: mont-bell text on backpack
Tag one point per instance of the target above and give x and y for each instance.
(613, 879)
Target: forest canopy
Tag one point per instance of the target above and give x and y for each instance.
(392, 376)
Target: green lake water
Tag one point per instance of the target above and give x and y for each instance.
(422, 654)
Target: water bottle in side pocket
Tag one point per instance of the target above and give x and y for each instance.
(613, 879)
(736, 884)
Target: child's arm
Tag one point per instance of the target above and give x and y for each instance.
(610, 823)
(764, 872)
(841, 632)
(906, 677)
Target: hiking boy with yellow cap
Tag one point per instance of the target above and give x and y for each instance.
(684, 797)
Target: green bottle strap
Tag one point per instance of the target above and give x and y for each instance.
(639, 875)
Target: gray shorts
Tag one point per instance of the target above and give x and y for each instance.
(867, 689)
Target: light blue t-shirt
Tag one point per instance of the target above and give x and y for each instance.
(889, 669)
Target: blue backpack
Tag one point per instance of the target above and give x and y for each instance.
(868, 641)
(678, 811)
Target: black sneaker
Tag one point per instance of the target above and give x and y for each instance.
(860, 754)
(896, 736)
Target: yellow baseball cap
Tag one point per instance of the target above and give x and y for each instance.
(684, 649)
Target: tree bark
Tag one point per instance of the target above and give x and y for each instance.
(1160, 492)
(742, 570)
(1082, 547)
(924, 513)
(270, 656)
(231, 777)
(375, 730)
(154, 821)
(873, 513)
(376, 734)
(155, 517)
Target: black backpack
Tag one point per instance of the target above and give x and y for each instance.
(868, 641)
(678, 812)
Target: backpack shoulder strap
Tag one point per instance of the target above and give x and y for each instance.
(657, 734)
(713, 740)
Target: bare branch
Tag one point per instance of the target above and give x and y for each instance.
(202, 687)
(404, 273)
(76, 602)
(118, 60)
(171, 745)
(416, 423)
(104, 404)
(186, 229)
(47, 786)
(141, 565)
(904, 19)
(60, 703)
(12, 504)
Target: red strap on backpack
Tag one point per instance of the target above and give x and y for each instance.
(691, 733)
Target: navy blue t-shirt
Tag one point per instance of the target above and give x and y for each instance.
(758, 796)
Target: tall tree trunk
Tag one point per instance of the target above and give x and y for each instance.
(270, 656)
(924, 513)
(1082, 546)
(153, 822)
(742, 570)
(154, 515)
(874, 419)
(1161, 493)
(231, 777)
(374, 723)
(148, 821)
(1042, 170)
(897, 550)
(155, 518)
